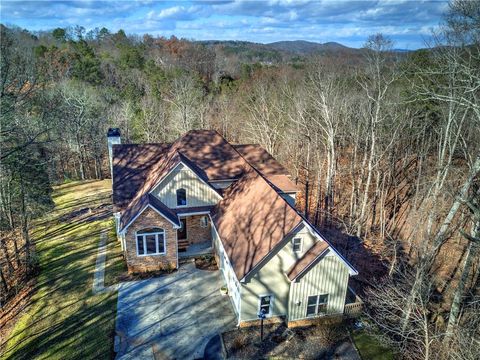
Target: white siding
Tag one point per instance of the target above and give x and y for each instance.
(198, 193)
(271, 278)
(233, 285)
(328, 276)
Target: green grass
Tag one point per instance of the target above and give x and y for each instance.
(369, 347)
(65, 320)
(115, 266)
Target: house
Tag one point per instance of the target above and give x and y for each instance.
(237, 201)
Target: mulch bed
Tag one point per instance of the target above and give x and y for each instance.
(144, 275)
(206, 262)
(313, 342)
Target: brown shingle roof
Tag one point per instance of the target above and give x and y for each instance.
(251, 220)
(307, 259)
(138, 168)
(268, 166)
(131, 166)
(140, 203)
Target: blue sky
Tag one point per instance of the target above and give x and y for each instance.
(408, 23)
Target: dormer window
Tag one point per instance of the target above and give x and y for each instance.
(181, 197)
(297, 245)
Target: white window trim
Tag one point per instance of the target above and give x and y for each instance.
(316, 306)
(272, 300)
(301, 245)
(157, 253)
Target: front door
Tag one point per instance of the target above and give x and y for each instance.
(182, 232)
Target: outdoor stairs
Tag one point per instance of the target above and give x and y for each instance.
(183, 245)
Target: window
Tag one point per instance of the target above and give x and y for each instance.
(204, 221)
(151, 242)
(265, 304)
(181, 197)
(297, 244)
(317, 305)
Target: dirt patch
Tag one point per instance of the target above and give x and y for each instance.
(206, 262)
(13, 309)
(313, 342)
(89, 214)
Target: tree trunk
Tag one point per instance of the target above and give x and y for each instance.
(7, 256)
(471, 254)
(24, 214)
(4, 283)
(440, 236)
(367, 184)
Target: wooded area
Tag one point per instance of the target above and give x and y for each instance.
(385, 146)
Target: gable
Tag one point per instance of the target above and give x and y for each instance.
(283, 254)
(199, 193)
(252, 219)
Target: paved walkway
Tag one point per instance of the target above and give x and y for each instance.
(172, 316)
(99, 274)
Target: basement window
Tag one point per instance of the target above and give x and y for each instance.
(151, 242)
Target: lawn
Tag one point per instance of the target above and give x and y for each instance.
(65, 320)
(369, 347)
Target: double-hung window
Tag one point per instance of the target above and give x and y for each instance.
(151, 242)
(317, 305)
(265, 304)
(181, 197)
(297, 244)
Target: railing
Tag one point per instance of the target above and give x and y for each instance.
(353, 309)
(354, 305)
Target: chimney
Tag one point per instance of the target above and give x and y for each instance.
(113, 137)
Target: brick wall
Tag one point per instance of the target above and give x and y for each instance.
(195, 232)
(150, 218)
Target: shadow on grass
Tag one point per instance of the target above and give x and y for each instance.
(64, 318)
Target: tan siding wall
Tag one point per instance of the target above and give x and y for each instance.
(271, 279)
(328, 276)
(198, 193)
(135, 263)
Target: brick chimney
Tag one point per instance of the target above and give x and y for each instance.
(113, 137)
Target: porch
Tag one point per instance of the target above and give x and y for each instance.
(197, 249)
(353, 304)
(194, 238)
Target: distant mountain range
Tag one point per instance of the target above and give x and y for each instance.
(283, 50)
(302, 47)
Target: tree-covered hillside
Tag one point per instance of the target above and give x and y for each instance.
(384, 145)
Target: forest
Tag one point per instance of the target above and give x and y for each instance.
(385, 146)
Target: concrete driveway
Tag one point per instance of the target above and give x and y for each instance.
(173, 316)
